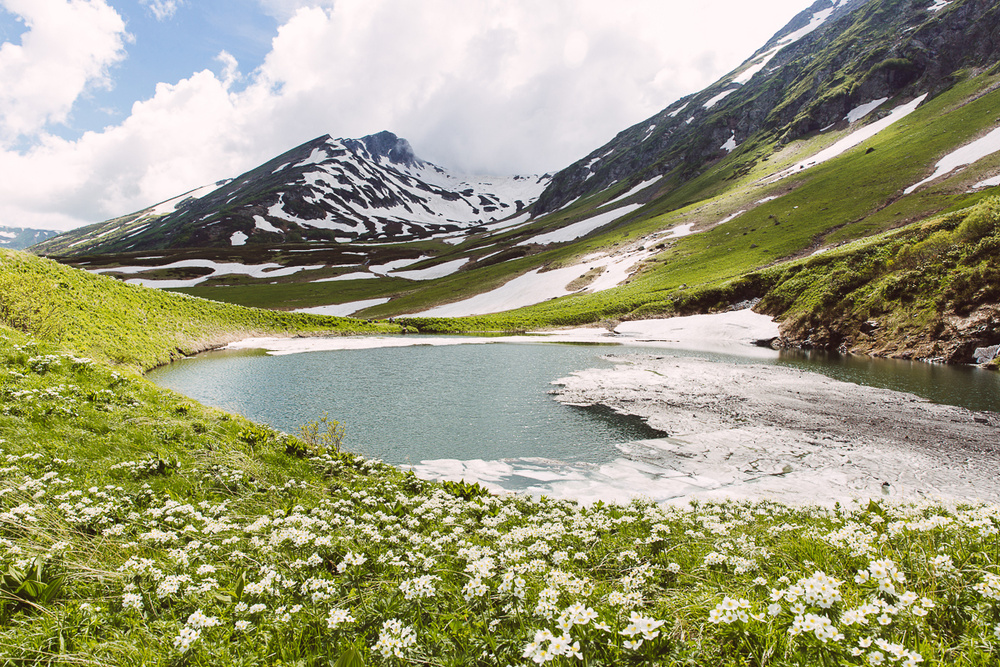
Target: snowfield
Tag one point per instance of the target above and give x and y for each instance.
(961, 157)
(582, 228)
(851, 140)
(269, 270)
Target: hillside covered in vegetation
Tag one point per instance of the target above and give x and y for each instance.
(138, 527)
(132, 325)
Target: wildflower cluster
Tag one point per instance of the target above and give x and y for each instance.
(240, 556)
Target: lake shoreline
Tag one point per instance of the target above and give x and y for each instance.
(744, 431)
(763, 431)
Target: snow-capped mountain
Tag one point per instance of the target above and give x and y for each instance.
(373, 189)
(18, 238)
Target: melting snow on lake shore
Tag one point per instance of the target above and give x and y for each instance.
(731, 430)
(719, 332)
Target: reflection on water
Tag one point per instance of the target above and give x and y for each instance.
(966, 386)
(490, 401)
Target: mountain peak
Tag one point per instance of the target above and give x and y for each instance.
(387, 145)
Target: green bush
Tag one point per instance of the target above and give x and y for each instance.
(980, 222)
(319, 436)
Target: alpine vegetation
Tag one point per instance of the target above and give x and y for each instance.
(137, 527)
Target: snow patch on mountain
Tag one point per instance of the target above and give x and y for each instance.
(582, 228)
(268, 270)
(537, 285)
(343, 309)
(816, 21)
(676, 112)
(265, 225)
(357, 275)
(642, 186)
(965, 155)
(859, 112)
(171, 205)
(852, 139)
(730, 145)
(439, 271)
(718, 98)
(987, 183)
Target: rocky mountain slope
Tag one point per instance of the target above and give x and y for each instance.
(342, 190)
(831, 59)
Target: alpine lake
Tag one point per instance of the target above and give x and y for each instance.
(491, 401)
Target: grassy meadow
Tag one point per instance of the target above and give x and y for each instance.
(138, 527)
(135, 326)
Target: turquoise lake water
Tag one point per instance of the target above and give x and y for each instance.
(491, 401)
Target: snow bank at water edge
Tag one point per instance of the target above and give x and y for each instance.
(738, 329)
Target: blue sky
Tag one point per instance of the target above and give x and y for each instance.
(167, 49)
(109, 106)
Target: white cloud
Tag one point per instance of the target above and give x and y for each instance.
(162, 9)
(486, 85)
(68, 47)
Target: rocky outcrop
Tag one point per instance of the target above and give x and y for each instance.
(954, 339)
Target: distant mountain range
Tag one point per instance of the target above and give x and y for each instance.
(19, 238)
(835, 57)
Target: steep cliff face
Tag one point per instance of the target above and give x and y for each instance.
(828, 62)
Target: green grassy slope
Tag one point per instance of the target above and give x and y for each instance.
(858, 195)
(854, 196)
(140, 528)
(126, 324)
